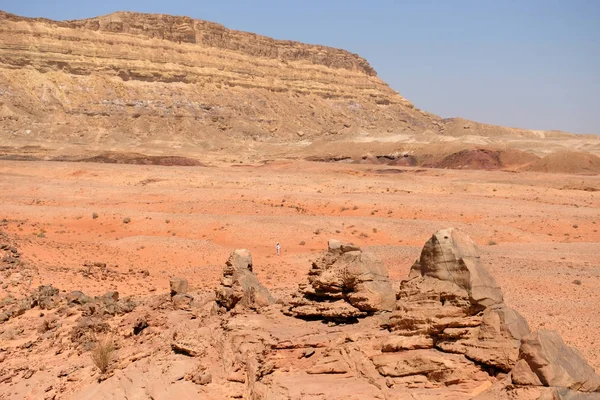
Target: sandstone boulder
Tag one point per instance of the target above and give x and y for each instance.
(178, 286)
(240, 285)
(452, 256)
(451, 299)
(46, 297)
(545, 360)
(345, 283)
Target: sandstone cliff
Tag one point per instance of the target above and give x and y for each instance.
(129, 78)
(167, 85)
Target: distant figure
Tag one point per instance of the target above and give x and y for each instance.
(278, 248)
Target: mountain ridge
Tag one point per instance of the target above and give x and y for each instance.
(170, 84)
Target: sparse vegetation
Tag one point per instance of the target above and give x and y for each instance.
(103, 353)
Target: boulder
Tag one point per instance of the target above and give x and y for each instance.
(178, 286)
(239, 285)
(344, 283)
(450, 298)
(78, 297)
(182, 301)
(452, 256)
(545, 359)
(46, 297)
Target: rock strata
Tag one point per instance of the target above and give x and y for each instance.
(161, 78)
(344, 284)
(450, 298)
(545, 360)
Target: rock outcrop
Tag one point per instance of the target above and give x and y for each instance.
(239, 284)
(131, 77)
(449, 337)
(344, 284)
(545, 360)
(451, 299)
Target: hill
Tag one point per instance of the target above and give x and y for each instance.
(175, 86)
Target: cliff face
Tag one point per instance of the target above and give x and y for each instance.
(129, 78)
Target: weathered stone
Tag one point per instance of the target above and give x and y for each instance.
(111, 295)
(178, 286)
(240, 285)
(450, 299)
(85, 327)
(182, 301)
(414, 362)
(344, 274)
(77, 297)
(335, 311)
(46, 297)
(452, 256)
(554, 364)
(399, 343)
(495, 342)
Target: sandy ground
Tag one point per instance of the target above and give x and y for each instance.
(538, 233)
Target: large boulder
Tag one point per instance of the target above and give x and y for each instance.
(545, 360)
(450, 298)
(240, 285)
(344, 284)
(452, 256)
(179, 286)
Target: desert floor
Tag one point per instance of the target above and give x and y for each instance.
(538, 233)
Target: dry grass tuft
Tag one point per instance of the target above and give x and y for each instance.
(103, 353)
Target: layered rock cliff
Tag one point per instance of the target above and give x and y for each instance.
(129, 78)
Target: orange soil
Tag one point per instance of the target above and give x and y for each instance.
(186, 220)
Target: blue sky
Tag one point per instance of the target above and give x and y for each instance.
(524, 63)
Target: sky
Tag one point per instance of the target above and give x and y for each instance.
(531, 64)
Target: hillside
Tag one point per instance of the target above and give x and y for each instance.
(140, 77)
(169, 85)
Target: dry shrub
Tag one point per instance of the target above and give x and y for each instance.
(103, 353)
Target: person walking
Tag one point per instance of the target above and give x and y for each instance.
(278, 248)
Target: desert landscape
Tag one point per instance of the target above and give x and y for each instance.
(149, 164)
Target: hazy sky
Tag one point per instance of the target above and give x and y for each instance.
(524, 63)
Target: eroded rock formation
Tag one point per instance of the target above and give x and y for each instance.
(452, 300)
(239, 284)
(450, 336)
(343, 285)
